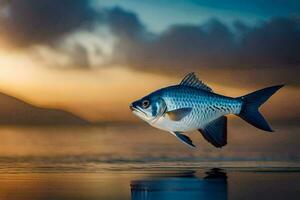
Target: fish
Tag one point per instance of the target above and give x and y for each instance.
(192, 105)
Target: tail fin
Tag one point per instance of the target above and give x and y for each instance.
(251, 104)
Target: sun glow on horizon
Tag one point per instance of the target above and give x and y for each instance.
(95, 94)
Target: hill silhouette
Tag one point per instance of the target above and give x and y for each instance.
(14, 111)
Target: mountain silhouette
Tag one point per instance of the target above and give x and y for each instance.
(14, 111)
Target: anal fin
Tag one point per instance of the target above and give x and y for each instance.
(216, 132)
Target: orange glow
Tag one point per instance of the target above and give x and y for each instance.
(104, 93)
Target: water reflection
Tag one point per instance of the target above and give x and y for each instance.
(187, 186)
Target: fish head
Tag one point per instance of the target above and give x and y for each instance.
(149, 108)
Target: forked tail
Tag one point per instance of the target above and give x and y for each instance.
(250, 108)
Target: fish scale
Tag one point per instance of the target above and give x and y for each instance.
(206, 106)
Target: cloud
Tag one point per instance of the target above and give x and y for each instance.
(124, 24)
(274, 43)
(80, 57)
(49, 25)
(30, 22)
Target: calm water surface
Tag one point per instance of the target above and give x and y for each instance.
(211, 184)
(140, 163)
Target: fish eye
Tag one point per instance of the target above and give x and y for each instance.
(145, 103)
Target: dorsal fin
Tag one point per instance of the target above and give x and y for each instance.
(192, 81)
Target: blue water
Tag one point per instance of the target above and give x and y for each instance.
(140, 182)
(141, 163)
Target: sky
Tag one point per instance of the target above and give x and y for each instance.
(93, 58)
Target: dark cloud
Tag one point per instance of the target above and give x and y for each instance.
(29, 22)
(215, 45)
(179, 46)
(124, 24)
(274, 43)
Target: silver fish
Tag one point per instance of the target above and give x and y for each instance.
(192, 105)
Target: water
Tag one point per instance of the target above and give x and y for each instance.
(141, 163)
(192, 184)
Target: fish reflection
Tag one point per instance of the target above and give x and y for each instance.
(185, 186)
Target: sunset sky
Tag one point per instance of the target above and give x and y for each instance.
(93, 58)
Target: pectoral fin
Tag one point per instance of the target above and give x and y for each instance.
(178, 114)
(216, 132)
(185, 139)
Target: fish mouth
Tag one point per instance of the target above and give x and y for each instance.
(136, 110)
(131, 107)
